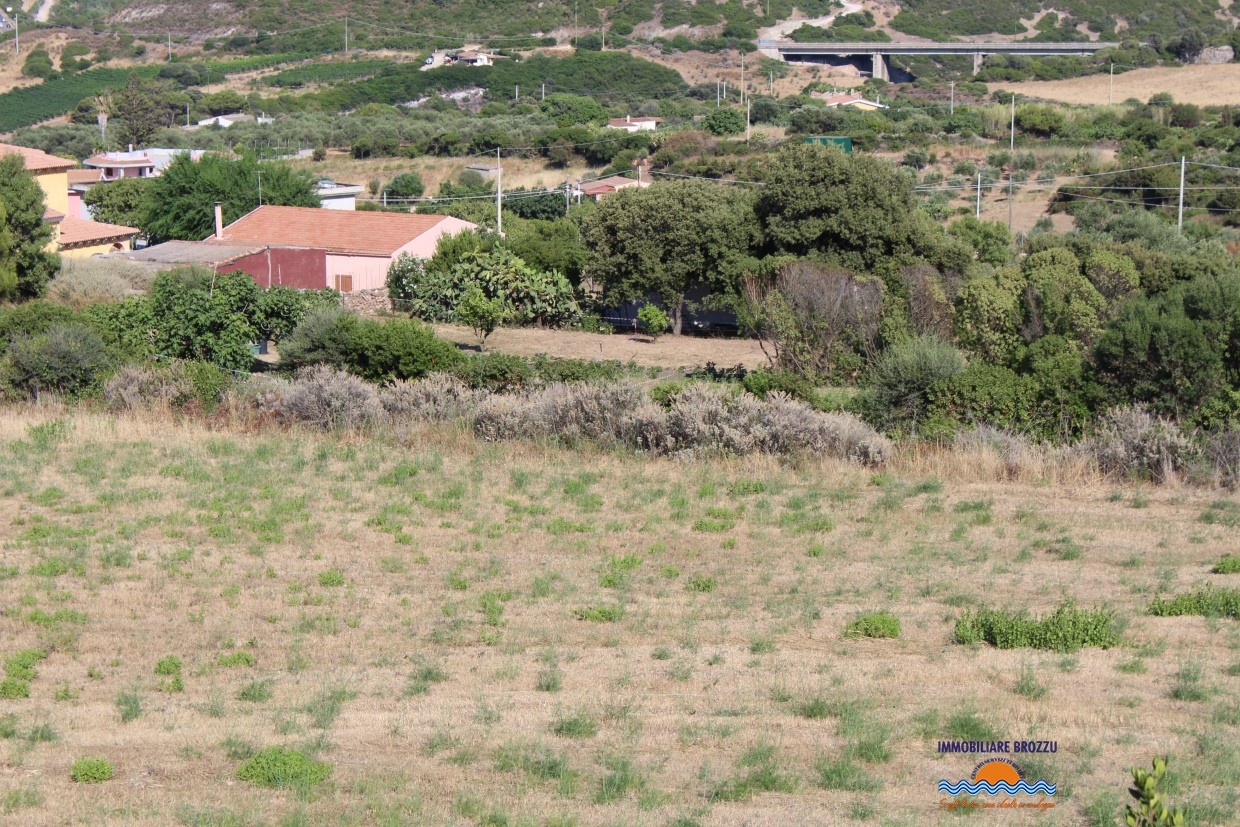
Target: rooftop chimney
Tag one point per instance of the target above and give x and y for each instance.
(219, 220)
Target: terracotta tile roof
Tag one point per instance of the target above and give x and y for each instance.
(76, 231)
(53, 216)
(85, 176)
(36, 160)
(340, 231)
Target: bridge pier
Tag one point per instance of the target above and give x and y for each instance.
(881, 68)
(978, 57)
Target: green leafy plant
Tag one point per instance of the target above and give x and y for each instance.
(1209, 601)
(283, 768)
(170, 668)
(1230, 564)
(1067, 629)
(480, 314)
(653, 320)
(1149, 808)
(874, 624)
(91, 770)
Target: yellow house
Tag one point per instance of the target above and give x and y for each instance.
(72, 235)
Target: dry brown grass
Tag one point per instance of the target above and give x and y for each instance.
(518, 172)
(422, 529)
(665, 352)
(1202, 85)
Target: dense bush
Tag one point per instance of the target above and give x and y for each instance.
(68, 359)
(324, 337)
(495, 372)
(283, 768)
(330, 399)
(136, 387)
(439, 397)
(1131, 442)
(901, 382)
(398, 349)
(1210, 601)
(874, 624)
(91, 770)
(1067, 629)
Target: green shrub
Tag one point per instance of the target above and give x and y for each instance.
(32, 318)
(1230, 564)
(599, 614)
(760, 382)
(900, 383)
(580, 725)
(169, 666)
(68, 359)
(1209, 601)
(480, 313)
(983, 393)
(579, 370)
(875, 624)
(331, 578)
(399, 349)
(1067, 629)
(129, 705)
(236, 659)
(255, 692)
(12, 689)
(283, 768)
(323, 337)
(495, 372)
(653, 320)
(1149, 808)
(91, 770)
(21, 664)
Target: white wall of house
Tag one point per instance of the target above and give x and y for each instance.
(370, 272)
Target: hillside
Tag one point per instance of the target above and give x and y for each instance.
(299, 24)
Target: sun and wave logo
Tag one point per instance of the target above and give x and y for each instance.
(997, 776)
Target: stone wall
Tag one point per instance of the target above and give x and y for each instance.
(367, 302)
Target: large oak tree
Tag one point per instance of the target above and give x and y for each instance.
(668, 238)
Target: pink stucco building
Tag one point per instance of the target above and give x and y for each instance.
(358, 246)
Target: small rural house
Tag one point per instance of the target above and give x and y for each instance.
(852, 100)
(356, 247)
(136, 163)
(630, 124)
(603, 187)
(335, 195)
(232, 119)
(72, 235)
(476, 58)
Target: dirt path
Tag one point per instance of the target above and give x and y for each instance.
(667, 352)
(45, 10)
(786, 27)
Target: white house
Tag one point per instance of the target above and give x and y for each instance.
(225, 121)
(630, 124)
(476, 58)
(334, 195)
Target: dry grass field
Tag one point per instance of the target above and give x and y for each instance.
(519, 634)
(1202, 85)
(665, 352)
